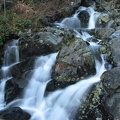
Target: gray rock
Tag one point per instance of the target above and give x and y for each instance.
(113, 105)
(74, 61)
(111, 80)
(42, 43)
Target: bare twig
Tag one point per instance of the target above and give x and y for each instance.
(5, 8)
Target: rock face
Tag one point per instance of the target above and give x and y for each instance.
(14, 113)
(74, 61)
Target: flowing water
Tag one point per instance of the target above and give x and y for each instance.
(60, 104)
(11, 57)
(74, 21)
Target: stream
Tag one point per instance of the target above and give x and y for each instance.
(61, 104)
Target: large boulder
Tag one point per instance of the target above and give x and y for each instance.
(74, 61)
(45, 42)
(14, 113)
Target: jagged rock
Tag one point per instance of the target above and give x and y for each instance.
(74, 61)
(14, 113)
(42, 43)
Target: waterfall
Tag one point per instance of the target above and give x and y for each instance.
(60, 104)
(11, 57)
(74, 21)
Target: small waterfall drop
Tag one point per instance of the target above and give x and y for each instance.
(11, 57)
(74, 21)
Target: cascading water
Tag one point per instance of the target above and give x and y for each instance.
(61, 104)
(74, 21)
(11, 57)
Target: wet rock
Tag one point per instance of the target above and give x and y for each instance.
(12, 90)
(84, 18)
(41, 43)
(14, 113)
(21, 69)
(111, 80)
(74, 61)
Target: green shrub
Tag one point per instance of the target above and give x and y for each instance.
(22, 25)
(4, 30)
(4, 34)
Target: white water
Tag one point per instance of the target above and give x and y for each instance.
(60, 104)
(11, 57)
